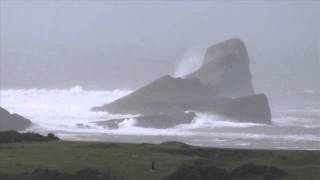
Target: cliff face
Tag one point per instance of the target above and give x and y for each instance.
(226, 67)
(12, 121)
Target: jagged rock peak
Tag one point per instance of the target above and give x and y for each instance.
(225, 48)
(226, 67)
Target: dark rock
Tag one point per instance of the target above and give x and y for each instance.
(12, 121)
(166, 95)
(253, 108)
(162, 104)
(226, 67)
(221, 86)
(159, 121)
(162, 121)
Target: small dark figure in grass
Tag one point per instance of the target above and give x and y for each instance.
(153, 165)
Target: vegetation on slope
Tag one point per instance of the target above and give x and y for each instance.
(155, 162)
(14, 137)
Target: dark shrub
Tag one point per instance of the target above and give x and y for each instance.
(93, 174)
(253, 170)
(199, 170)
(43, 174)
(46, 174)
(211, 153)
(52, 137)
(101, 145)
(13, 137)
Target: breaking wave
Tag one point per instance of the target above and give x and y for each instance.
(67, 113)
(204, 120)
(69, 109)
(58, 109)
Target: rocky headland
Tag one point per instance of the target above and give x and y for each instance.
(14, 122)
(222, 86)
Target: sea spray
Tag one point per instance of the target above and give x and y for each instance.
(205, 120)
(190, 62)
(59, 109)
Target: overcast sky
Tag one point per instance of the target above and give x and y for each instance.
(104, 44)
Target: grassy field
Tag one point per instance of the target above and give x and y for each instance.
(133, 161)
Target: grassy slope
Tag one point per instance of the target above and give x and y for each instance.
(133, 161)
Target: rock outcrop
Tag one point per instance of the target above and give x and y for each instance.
(158, 121)
(254, 108)
(221, 86)
(226, 67)
(12, 121)
(166, 95)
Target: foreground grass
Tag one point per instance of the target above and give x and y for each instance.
(133, 161)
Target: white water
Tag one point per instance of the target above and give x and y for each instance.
(67, 114)
(190, 62)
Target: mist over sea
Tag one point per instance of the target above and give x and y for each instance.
(66, 112)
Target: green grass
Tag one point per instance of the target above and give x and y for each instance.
(133, 161)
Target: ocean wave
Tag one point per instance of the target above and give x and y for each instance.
(67, 113)
(214, 121)
(255, 136)
(56, 108)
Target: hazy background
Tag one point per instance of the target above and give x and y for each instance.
(109, 45)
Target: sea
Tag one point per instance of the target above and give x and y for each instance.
(67, 113)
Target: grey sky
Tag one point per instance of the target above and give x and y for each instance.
(103, 44)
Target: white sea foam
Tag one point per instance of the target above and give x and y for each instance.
(69, 110)
(204, 120)
(58, 109)
(67, 113)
